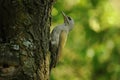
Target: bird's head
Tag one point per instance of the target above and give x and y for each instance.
(68, 20)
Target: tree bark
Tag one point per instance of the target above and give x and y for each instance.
(24, 39)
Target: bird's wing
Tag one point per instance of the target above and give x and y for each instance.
(57, 50)
(62, 41)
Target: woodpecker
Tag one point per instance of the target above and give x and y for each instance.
(58, 38)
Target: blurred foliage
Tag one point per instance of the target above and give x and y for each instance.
(92, 51)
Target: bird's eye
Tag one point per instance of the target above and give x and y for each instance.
(69, 18)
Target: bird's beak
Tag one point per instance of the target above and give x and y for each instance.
(63, 14)
(65, 17)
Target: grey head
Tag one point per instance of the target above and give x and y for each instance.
(68, 21)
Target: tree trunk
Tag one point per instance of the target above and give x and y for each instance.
(24, 39)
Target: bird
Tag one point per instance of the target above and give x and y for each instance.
(58, 39)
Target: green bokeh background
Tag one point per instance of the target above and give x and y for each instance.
(92, 51)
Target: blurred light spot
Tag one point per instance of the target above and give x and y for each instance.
(110, 20)
(54, 12)
(115, 4)
(94, 24)
(90, 53)
(110, 44)
(71, 3)
(110, 16)
(117, 68)
(105, 54)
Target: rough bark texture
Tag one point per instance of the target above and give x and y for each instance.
(24, 39)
